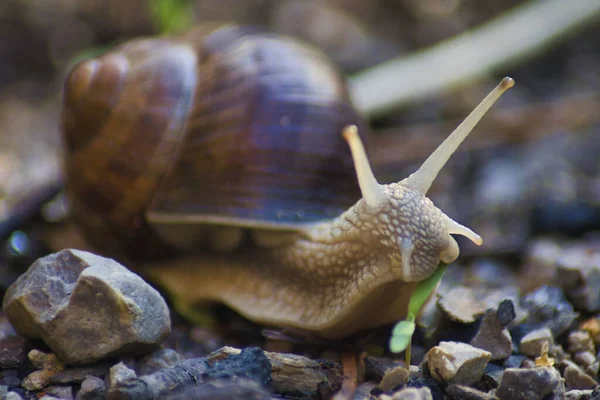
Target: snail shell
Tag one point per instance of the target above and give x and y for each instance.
(224, 125)
(228, 128)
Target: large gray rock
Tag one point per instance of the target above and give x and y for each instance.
(87, 307)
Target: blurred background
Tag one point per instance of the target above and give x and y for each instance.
(527, 180)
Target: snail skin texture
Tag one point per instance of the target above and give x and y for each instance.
(134, 181)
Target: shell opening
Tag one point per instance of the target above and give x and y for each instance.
(373, 193)
(422, 179)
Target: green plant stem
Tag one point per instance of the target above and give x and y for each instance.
(514, 37)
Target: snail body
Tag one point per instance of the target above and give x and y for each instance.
(251, 162)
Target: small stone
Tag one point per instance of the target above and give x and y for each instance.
(3, 390)
(558, 352)
(548, 307)
(48, 361)
(79, 374)
(578, 395)
(457, 363)
(394, 378)
(492, 336)
(13, 352)
(514, 361)
(592, 325)
(158, 359)
(540, 264)
(575, 378)
(363, 391)
(464, 304)
(49, 366)
(493, 375)
(61, 392)
(92, 388)
(10, 378)
(542, 383)
(533, 343)
(376, 367)
(584, 358)
(37, 380)
(222, 389)
(506, 312)
(460, 392)
(86, 307)
(120, 375)
(592, 370)
(411, 393)
(12, 396)
(579, 272)
(527, 363)
(581, 341)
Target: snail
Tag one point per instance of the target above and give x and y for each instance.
(215, 162)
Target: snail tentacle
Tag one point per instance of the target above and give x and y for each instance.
(422, 179)
(373, 193)
(456, 228)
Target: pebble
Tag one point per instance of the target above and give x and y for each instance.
(581, 341)
(3, 390)
(10, 378)
(457, 363)
(12, 396)
(48, 365)
(492, 375)
(540, 263)
(119, 375)
(79, 374)
(542, 383)
(220, 389)
(61, 392)
(532, 343)
(514, 361)
(547, 306)
(92, 307)
(575, 378)
(92, 388)
(506, 312)
(492, 335)
(411, 393)
(592, 370)
(363, 391)
(584, 358)
(394, 378)
(465, 304)
(461, 392)
(376, 367)
(592, 325)
(13, 352)
(579, 395)
(579, 272)
(158, 359)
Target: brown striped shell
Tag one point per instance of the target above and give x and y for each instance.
(224, 125)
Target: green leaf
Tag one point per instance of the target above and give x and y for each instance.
(424, 290)
(403, 331)
(401, 336)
